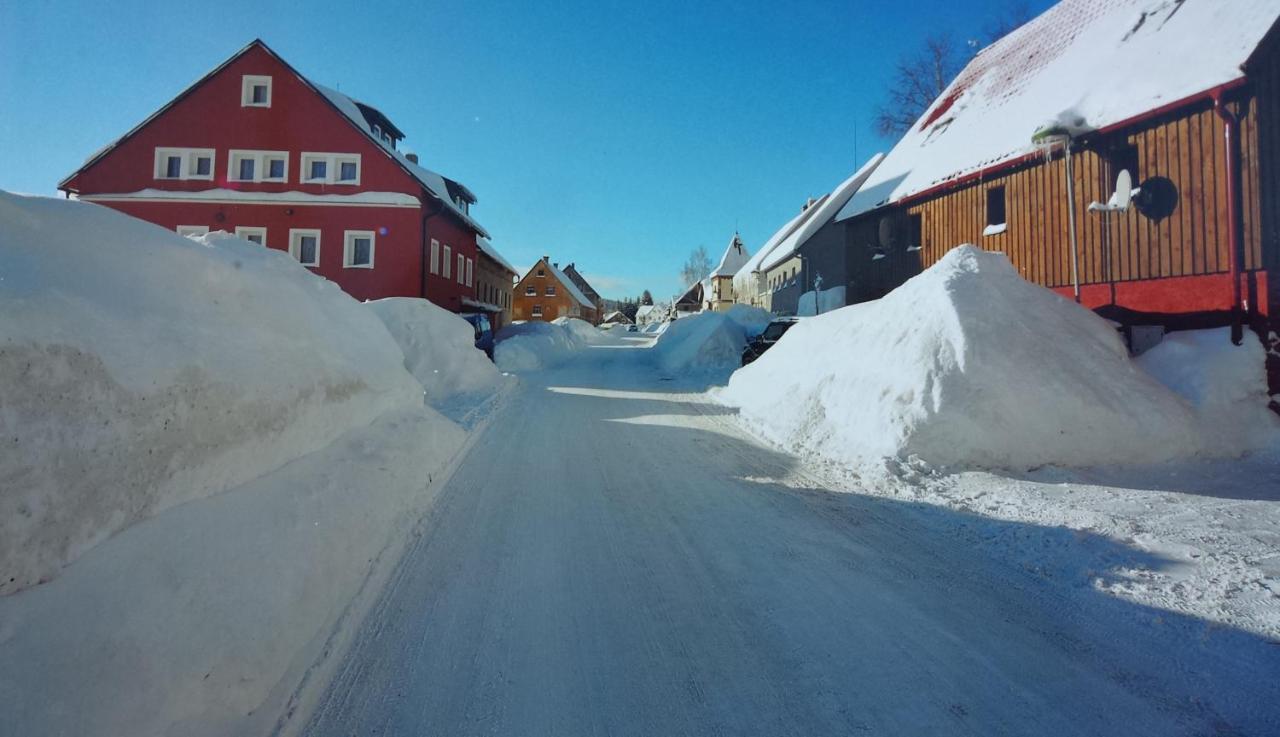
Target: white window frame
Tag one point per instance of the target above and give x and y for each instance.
(295, 236)
(192, 229)
(260, 160)
(530, 291)
(448, 265)
(333, 166)
(187, 168)
(244, 231)
(435, 256)
(462, 269)
(536, 311)
(349, 251)
(470, 272)
(247, 83)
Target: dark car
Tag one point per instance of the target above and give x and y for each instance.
(764, 341)
(484, 331)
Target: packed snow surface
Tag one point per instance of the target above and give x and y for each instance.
(709, 341)
(969, 365)
(439, 350)
(534, 345)
(140, 369)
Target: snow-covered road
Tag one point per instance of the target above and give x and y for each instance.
(615, 556)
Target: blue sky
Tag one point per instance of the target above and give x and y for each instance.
(617, 136)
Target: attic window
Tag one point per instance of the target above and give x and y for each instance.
(255, 91)
(995, 211)
(184, 163)
(330, 168)
(541, 272)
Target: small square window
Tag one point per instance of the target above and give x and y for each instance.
(204, 166)
(259, 94)
(995, 206)
(173, 167)
(255, 91)
(358, 249)
(318, 170)
(551, 291)
(530, 291)
(275, 168)
(347, 171)
(252, 234)
(537, 310)
(304, 245)
(245, 170)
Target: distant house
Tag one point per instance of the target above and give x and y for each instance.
(646, 314)
(691, 301)
(1180, 98)
(494, 277)
(580, 281)
(616, 318)
(545, 293)
(719, 295)
(257, 149)
(771, 278)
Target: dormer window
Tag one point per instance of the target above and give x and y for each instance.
(255, 91)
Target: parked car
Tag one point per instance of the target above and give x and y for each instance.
(632, 329)
(484, 331)
(773, 332)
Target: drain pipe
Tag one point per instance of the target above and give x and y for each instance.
(1235, 212)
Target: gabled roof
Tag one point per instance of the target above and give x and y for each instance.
(735, 255)
(569, 287)
(741, 279)
(432, 182)
(822, 214)
(487, 249)
(1082, 65)
(571, 271)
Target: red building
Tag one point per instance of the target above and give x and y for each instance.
(257, 149)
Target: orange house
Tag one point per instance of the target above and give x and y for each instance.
(545, 293)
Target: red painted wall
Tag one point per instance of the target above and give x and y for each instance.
(448, 293)
(1176, 295)
(397, 252)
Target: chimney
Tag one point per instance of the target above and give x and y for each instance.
(411, 156)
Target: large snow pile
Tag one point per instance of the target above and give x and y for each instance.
(531, 346)
(585, 331)
(439, 350)
(140, 369)
(966, 364)
(709, 341)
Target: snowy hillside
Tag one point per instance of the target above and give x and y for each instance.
(140, 369)
(969, 365)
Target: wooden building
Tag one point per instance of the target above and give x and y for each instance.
(545, 293)
(1039, 126)
(257, 149)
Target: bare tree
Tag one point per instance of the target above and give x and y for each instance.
(922, 77)
(697, 267)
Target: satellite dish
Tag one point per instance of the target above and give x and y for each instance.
(1121, 198)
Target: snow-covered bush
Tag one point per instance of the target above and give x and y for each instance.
(709, 341)
(967, 364)
(140, 369)
(439, 350)
(531, 346)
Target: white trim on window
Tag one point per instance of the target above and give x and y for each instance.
(248, 232)
(295, 244)
(435, 256)
(261, 165)
(470, 272)
(333, 168)
(462, 269)
(247, 84)
(349, 238)
(448, 267)
(537, 311)
(187, 161)
(192, 229)
(531, 291)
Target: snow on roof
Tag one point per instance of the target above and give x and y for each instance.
(487, 248)
(568, 284)
(643, 310)
(735, 255)
(388, 199)
(753, 264)
(821, 215)
(434, 182)
(1087, 64)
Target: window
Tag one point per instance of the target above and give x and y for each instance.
(470, 273)
(995, 210)
(320, 168)
(435, 256)
(447, 253)
(530, 291)
(192, 229)
(915, 232)
(252, 234)
(462, 269)
(184, 163)
(551, 290)
(357, 249)
(257, 166)
(304, 245)
(541, 272)
(537, 311)
(255, 91)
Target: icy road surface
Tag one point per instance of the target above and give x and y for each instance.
(615, 557)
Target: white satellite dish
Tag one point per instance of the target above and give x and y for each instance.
(1121, 198)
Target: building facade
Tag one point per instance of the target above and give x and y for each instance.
(545, 293)
(256, 149)
(588, 291)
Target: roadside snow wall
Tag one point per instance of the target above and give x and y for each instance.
(532, 346)
(709, 341)
(967, 364)
(584, 331)
(140, 369)
(439, 350)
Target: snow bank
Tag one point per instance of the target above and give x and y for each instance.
(584, 331)
(709, 341)
(140, 369)
(439, 350)
(532, 346)
(966, 364)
